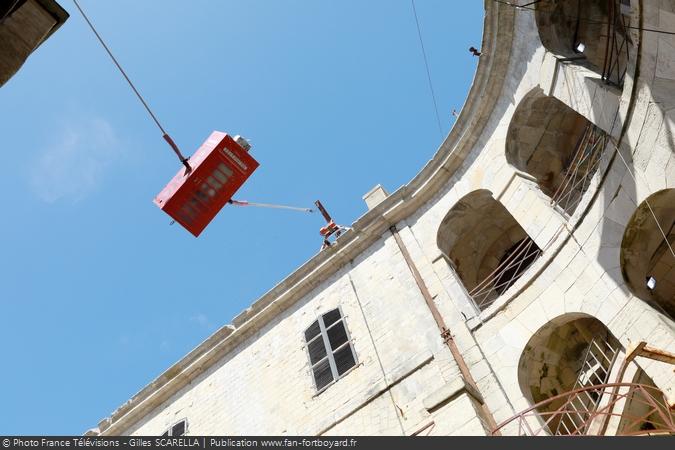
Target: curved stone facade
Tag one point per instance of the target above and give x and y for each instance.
(480, 287)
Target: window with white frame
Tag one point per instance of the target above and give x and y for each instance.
(329, 348)
(177, 429)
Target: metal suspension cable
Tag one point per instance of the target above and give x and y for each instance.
(426, 65)
(165, 135)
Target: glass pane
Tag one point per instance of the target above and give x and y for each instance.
(312, 331)
(195, 205)
(197, 200)
(207, 190)
(344, 359)
(226, 170)
(186, 213)
(222, 178)
(222, 173)
(202, 196)
(178, 429)
(322, 375)
(166, 433)
(331, 317)
(187, 209)
(317, 350)
(214, 183)
(337, 335)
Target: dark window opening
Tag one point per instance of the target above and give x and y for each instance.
(485, 246)
(331, 317)
(556, 146)
(177, 429)
(515, 262)
(329, 348)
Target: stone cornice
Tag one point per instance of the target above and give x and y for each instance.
(484, 92)
(57, 11)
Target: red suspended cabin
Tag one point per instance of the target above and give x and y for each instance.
(218, 169)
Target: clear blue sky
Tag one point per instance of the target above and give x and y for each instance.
(98, 294)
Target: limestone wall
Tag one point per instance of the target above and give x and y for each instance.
(265, 384)
(580, 270)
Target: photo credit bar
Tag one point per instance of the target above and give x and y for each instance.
(337, 442)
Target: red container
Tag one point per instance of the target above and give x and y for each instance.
(219, 168)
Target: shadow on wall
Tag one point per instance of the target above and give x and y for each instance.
(647, 256)
(593, 33)
(647, 260)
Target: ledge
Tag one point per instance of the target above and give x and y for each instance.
(448, 392)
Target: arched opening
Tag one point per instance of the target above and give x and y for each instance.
(556, 360)
(555, 145)
(594, 32)
(574, 355)
(486, 246)
(647, 260)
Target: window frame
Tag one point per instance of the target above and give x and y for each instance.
(323, 335)
(168, 431)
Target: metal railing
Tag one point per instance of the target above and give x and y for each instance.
(617, 48)
(581, 167)
(510, 269)
(595, 370)
(637, 409)
(579, 172)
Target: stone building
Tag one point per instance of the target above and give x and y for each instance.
(522, 282)
(24, 26)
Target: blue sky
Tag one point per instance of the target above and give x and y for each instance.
(98, 293)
